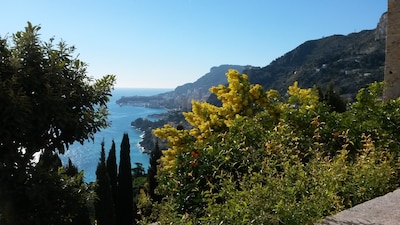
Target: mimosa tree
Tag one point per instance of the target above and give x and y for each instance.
(239, 98)
(261, 158)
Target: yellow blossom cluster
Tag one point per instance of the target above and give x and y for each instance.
(176, 143)
(239, 98)
(304, 97)
(205, 118)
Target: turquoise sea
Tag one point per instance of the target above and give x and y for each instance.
(86, 156)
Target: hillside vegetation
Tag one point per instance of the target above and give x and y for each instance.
(349, 62)
(260, 158)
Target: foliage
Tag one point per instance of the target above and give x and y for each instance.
(131, 186)
(47, 102)
(104, 204)
(124, 188)
(263, 159)
(146, 126)
(155, 156)
(112, 172)
(53, 197)
(334, 100)
(238, 99)
(71, 169)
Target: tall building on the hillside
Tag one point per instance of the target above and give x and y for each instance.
(392, 64)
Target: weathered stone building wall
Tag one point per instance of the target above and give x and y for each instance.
(392, 65)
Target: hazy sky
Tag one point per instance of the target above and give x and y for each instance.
(166, 43)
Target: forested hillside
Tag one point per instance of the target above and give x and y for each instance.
(349, 62)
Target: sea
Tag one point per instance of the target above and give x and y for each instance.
(86, 156)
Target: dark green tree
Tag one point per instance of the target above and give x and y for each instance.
(139, 179)
(112, 172)
(331, 98)
(155, 155)
(52, 189)
(49, 160)
(138, 171)
(104, 205)
(71, 169)
(334, 100)
(125, 193)
(47, 102)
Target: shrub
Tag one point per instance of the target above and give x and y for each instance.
(261, 159)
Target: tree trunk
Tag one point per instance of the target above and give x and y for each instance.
(8, 211)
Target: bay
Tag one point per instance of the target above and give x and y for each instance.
(86, 156)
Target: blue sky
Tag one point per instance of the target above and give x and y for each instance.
(166, 43)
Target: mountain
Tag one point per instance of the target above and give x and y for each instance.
(215, 77)
(182, 96)
(348, 62)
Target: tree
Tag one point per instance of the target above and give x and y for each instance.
(138, 171)
(71, 169)
(290, 160)
(47, 102)
(239, 98)
(70, 172)
(125, 195)
(332, 99)
(104, 205)
(49, 161)
(139, 179)
(155, 155)
(112, 172)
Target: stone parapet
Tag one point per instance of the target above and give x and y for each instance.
(392, 64)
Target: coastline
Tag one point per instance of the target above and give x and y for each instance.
(141, 148)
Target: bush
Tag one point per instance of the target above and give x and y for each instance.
(261, 159)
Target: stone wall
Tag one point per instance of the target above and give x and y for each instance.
(392, 65)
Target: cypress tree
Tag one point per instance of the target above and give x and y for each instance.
(104, 206)
(71, 169)
(125, 195)
(152, 173)
(112, 172)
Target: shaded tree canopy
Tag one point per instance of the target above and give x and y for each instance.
(47, 102)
